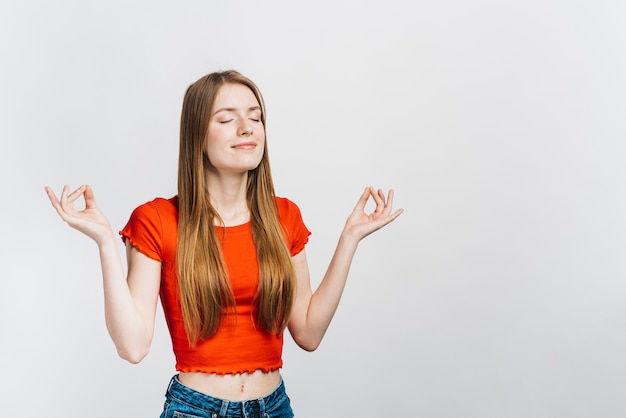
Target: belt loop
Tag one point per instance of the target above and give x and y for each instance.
(169, 387)
(224, 408)
(244, 413)
(261, 407)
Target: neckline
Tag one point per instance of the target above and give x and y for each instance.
(233, 228)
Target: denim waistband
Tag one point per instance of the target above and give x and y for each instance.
(226, 407)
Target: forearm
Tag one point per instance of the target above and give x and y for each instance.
(129, 326)
(325, 299)
(314, 310)
(126, 326)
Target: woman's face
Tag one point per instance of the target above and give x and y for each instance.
(236, 136)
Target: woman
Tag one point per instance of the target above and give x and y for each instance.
(226, 257)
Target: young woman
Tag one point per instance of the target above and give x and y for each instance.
(227, 258)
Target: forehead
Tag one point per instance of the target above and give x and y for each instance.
(234, 95)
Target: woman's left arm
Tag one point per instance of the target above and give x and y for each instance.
(313, 311)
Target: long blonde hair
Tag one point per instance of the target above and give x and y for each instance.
(205, 291)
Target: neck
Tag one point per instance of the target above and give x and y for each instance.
(228, 197)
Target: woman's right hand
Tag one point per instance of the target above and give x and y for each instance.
(90, 221)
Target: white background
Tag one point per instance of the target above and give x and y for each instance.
(500, 292)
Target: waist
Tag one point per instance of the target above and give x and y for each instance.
(237, 346)
(234, 387)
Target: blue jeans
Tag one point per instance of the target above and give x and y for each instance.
(184, 402)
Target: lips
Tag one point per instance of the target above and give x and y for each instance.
(245, 145)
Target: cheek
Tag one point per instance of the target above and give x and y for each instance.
(211, 140)
(210, 150)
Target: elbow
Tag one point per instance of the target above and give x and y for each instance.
(132, 346)
(309, 347)
(305, 336)
(133, 356)
(308, 344)
(132, 359)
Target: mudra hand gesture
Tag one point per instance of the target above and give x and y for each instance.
(360, 224)
(90, 220)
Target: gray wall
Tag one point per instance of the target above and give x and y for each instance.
(500, 292)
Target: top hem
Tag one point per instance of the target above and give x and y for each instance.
(223, 372)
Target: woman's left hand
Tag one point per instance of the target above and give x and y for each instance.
(360, 224)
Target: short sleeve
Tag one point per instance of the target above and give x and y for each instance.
(296, 232)
(144, 231)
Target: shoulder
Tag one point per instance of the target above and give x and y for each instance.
(286, 208)
(162, 203)
(283, 202)
(159, 213)
(296, 232)
(158, 206)
(152, 228)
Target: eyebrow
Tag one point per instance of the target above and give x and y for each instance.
(233, 109)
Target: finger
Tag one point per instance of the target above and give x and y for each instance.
(75, 195)
(90, 200)
(64, 193)
(53, 197)
(395, 214)
(390, 196)
(64, 196)
(379, 199)
(56, 204)
(360, 206)
(386, 215)
(68, 199)
(389, 202)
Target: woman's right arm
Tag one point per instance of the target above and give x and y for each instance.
(130, 302)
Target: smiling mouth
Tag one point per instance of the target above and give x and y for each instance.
(245, 145)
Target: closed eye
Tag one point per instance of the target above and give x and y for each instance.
(226, 121)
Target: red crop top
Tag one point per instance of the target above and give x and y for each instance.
(238, 346)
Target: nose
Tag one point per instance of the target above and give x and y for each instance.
(245, 128)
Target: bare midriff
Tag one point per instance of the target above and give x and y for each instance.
(233, 387)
